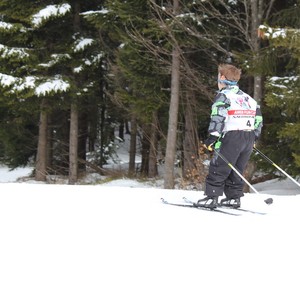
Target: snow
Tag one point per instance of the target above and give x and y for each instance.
(50, 11)
(5, 25)
(12, 52)
(273, 33)
(56, 58)
(7, 175)
(27, 82)
(103, 11)
(82, 43)
(78, 69)
(116, 240)
(19, 84)
(54, 84)
(6, 80)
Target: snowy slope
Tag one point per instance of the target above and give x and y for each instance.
(118, 241)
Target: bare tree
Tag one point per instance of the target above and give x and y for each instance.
(244, 17)
(173, 113)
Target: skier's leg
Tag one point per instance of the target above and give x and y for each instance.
(215, 180)
(234, 184)
(219, 169)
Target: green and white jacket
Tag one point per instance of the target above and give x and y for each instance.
(235, 110)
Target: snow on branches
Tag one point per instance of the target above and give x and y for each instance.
(51, 85)
(8, 52)
(50, 11)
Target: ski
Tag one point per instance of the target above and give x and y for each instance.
(177, 204)
(242, 209)
(229, 208)
(192, 205)
(245, 210)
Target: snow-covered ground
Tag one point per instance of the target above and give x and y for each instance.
(118, 241)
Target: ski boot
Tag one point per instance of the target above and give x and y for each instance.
(233, 202)
(210, 202)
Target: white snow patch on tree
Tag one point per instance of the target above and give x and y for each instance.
(7, 52)
(27, 82)
(56, 58)
(103, 11)
(7, 80)
(4, 25)
(17, 84)
(78, 69)
(273, 33)
(82, 44)
(52, 85)
(50, 11)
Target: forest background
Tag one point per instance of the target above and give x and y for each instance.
(73, 73)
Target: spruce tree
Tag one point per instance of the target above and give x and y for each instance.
(56, 63)
(22, 81)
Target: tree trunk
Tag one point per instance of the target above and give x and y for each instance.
(153, 147)
(256, 19)
(145, 149)
(121, 130)
(74, 118)
(190, 142)
(49, 143)
(82, 140)
(132, 150)
(41, 158)
(173, 119)
(73, 145)
(173, 113)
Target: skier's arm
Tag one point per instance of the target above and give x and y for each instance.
(258, 124)
(219, 115)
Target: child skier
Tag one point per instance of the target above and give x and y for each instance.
(235, 125)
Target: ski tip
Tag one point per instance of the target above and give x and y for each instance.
(269, 201)
(163, 200)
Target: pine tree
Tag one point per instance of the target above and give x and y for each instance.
(22, 84)
(61, 60)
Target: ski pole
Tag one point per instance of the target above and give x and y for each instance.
(268, 200)
(271, 162)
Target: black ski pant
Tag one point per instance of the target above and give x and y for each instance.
(236, 147)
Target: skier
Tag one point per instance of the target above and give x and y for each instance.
(235, 125)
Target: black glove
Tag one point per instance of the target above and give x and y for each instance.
(210, 141)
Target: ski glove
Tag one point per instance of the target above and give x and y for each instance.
(210, 141)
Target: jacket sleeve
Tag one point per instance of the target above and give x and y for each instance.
(219, 114)
(258, 124)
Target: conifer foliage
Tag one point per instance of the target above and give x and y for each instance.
(283, 90)
(50, 79)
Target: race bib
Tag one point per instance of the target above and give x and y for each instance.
(241, 113)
